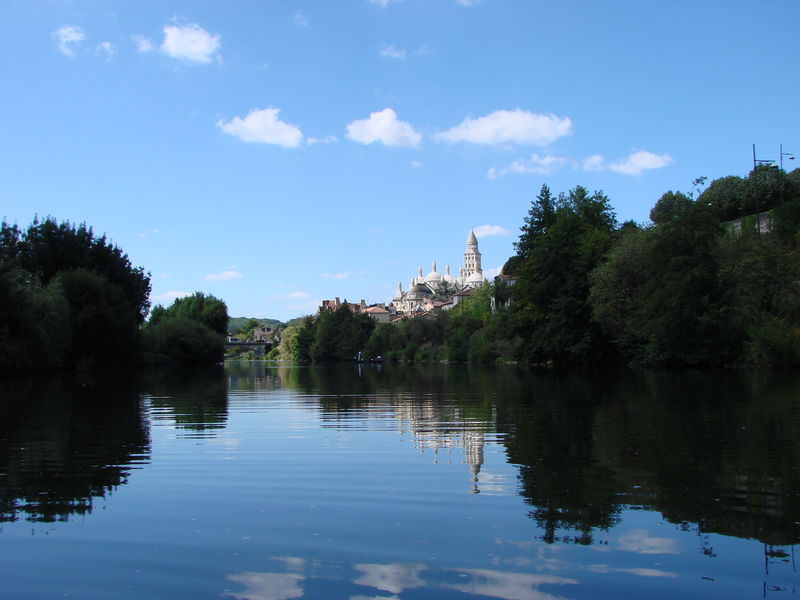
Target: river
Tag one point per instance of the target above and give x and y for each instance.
(259, 481)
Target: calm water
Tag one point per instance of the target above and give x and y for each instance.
(272, 483)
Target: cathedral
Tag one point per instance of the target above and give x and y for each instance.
(441, 291)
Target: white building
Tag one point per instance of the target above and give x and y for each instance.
(435, 290)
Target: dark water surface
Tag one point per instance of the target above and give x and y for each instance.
(262, 482)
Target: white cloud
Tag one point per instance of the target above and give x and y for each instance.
(483, 231)
(381, 3)
(390, 51)
(304, 307)
(639, 161)
(595, 162)
(345, 275)
(467, 2)
(291, 296)
(190, 43)
(224, 276)
(300, 19)
(539, 165)
(383, 127)
(263, 126)
(490, 274)
(107, 48)
(143, 44)
(416, 164)
(170, 296)
(328, 139)
(509, 127)
(68, 37)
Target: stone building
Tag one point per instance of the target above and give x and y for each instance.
(435, 291)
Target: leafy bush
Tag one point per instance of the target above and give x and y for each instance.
(183, 341)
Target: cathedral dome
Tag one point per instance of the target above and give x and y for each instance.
(475, 279)
(419, 290)
(447, 277)
(433, 276)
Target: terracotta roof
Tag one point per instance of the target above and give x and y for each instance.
(375, 309)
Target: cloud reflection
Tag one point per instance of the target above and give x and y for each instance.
(642, 572)
(508, 586)
(639, 541)
(267, 586)
(393, 578)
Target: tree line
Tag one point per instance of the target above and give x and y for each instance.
(689, 288)
(72, 299)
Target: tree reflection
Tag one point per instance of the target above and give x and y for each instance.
(195, 398)
(717, 452)
(66, 443)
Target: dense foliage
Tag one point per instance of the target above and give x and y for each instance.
(67, 297)
(190, 331)
(688, 288)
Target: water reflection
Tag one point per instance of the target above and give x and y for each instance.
(195, 400)
(267, 586)
(508, 586)
(713, 452)
(65, 443)
(395, 578)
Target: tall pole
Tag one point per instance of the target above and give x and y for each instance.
(782, 174)
(755, 189)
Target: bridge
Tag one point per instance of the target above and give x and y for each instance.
(260, 348)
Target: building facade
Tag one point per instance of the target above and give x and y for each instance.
(435, 291)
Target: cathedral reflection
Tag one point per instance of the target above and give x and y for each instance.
(716, 451)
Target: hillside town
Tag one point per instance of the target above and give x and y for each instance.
(426, 294)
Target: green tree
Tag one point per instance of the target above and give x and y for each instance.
(671, 206)
(550, 300)
(658, 296)
(189, 331)
(206, 309)
(47, 248)
(104, 325)
(34, 322)
(541, 215)
(183, 341)
(725, 197)
(70, 297)
(340, 335)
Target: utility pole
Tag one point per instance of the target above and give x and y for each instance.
(757, 163)
(789, 155)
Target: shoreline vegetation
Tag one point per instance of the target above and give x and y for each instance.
(700, 286)
(72, 300)
(709, 282)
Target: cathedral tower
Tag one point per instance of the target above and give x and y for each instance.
(472, 258)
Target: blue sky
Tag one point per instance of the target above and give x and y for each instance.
(278, 153)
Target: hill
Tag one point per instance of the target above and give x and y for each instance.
(235, 323)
